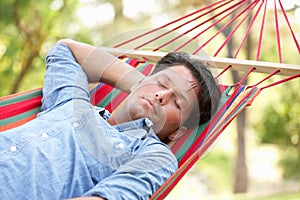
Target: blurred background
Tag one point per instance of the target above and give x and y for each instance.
(257, 157)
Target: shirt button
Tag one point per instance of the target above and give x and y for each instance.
(76, 124)
(44, 135)
(121, 145)
(13, 148)
(148, 122)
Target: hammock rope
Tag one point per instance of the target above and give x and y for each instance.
(165, 25)
(289, 25)
(277, 32)
(197, 26)
(266, 78)
(203, 20)
(259, 44)
(249, 9)
(281, 81)
(248, 30)
(239, 4)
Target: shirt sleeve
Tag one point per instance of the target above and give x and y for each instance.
(64, 78)
(139, 178)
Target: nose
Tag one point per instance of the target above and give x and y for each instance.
(163, 96)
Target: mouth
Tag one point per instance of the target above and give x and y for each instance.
(151, 103)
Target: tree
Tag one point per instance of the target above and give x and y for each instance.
(25, 27)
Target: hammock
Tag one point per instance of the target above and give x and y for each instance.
(22, 107)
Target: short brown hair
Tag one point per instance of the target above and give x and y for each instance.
(209, 94)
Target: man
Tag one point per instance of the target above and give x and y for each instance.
(73, 149)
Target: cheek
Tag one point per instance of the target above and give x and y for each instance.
(173, 116)
(167, 119)
(137, 108)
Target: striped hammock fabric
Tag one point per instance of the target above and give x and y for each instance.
(20, 108)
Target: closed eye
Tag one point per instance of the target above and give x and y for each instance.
(165, 84)
(161, 84)
(177, 105)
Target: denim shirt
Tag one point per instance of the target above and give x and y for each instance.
(70, 150)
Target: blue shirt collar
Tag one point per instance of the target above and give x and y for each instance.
(143, 123)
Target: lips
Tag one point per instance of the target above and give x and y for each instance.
(151, 103)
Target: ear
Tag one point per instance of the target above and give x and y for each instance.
(178, 133)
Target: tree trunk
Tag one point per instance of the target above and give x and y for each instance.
(33, 36)
(25, 69)
(241, 169)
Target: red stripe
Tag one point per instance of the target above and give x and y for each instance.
(203, 134)
(191, 29)
(245, 76)
(281, 81)
(261, 32)
(211, 26)
(18, 94)
(250, 7)
(20, 107)
(193, 158)
(105, 89)
(133, 62)
(148, 69)
(169, 187)
(224, 27)
(290, 27)
(178, 144)
(17, 123)
(248, 31)
(101, 93)
(277, 32)
(116, 101)
(165, 25)
(266, 78)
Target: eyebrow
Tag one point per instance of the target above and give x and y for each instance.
(180, 94)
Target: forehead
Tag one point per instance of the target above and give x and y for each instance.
(178, 75)
(183, 72)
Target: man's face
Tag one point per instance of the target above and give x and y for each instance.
(167, 98)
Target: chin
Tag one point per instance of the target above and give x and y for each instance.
(138, 112)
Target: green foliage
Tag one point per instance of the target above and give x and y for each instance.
(218, 167)
(280, 125)
(25, 28)
(30, 28)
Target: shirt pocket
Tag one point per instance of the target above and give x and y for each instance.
(58, 114)
(103, 142)
(12, 146)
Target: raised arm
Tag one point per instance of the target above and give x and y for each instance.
(104, 67)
